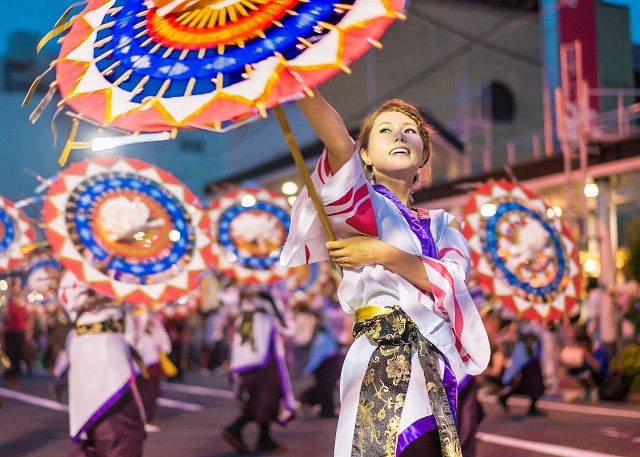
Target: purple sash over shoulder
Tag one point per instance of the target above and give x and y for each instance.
(443, 396)
(421, 227)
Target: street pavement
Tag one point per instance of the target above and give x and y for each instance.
(192, 414)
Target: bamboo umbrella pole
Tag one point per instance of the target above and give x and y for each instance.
(306, 177)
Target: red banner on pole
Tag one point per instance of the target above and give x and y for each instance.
(577, 23)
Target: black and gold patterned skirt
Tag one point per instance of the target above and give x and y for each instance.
(386, 381)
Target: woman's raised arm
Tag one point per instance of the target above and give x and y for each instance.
(329, 127)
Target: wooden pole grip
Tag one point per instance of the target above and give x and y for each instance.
(306, 177)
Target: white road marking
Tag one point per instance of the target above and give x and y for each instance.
(196, 390)
(32, 399)
(613, 432)
(566, 407)
(542, 448)
(50, 404)
(183, 405)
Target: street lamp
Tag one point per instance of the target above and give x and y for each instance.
(591, 190)
(289, 188)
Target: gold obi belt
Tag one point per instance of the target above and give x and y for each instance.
(108, 326)
(386, 382)
(246, 326)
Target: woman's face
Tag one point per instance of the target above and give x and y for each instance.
(395, 146)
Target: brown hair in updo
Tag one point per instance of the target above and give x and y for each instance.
(402, 107)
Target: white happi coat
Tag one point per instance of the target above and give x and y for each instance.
(268, 331)
(100, 367)
(447, 316)
(151, 338)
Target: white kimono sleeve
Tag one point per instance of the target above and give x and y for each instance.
(346, 198)
(448, 276)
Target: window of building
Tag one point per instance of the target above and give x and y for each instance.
(499, 99)
(192, 145)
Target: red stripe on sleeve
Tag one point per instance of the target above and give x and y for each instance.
(458, 320)
(444, 251)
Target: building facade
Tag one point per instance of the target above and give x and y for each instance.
(482, 71)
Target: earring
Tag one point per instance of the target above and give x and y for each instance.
(417, 179)
(368, 169)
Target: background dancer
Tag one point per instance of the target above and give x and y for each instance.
(17, 327)
(152, 343)
(258, 362)
(325, 356)
(523, 373)
(105, 418)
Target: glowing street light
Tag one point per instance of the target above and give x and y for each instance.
(488, 209)
(591, 190)
(289, 188)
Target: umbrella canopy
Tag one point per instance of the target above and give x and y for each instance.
(523, 254)
(42, 275)
(249, 227)
(127, 64)
(16, 234)
(310, 278)
(128, 229)
(185, 306)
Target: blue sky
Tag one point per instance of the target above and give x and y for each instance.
(39, 16)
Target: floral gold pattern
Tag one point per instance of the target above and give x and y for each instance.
(109, 326)
(246, 329)
(385, 384)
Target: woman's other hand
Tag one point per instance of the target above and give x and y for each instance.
(356, 252)
(359, 251)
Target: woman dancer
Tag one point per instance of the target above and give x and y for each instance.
(405, 273)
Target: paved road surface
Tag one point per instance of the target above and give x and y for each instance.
(191, 416)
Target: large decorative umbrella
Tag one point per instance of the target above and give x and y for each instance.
(16, 235)
(249, 227)
(158, 65)
(523, 253)
(125, 64)
(127, 228)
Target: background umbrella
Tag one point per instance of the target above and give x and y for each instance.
(16, 235)
(41, 278)
(183, 307)
(249, 227)
(202, 64)
(128, 229)
(309, 278)
(523, 253)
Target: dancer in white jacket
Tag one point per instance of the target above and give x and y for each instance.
(152, 343)
(105, 414)
(405, 273)
(258, 361)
